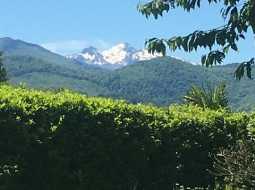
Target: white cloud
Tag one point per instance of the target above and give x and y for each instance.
(102, 45)
(68, 47)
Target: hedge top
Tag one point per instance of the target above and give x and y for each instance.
(29, 101)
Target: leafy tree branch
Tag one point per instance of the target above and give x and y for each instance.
(239, 17)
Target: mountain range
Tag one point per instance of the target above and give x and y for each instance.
(116, 57)
(160, 81)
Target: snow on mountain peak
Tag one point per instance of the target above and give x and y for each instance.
(144, 55)
(89, 55)
(119, 55)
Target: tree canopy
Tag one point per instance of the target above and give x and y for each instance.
(239, 18)
(3, 74)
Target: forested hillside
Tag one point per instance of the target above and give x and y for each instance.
(166, 80)
(161, 81)
(38, 73)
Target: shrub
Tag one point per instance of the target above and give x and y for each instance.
(236, 165)
(63, 140)
(213, 97)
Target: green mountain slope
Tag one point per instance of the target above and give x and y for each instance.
(159, 81)
(12, 47)
(38, 73)
(240, 93)
(39, 68)
(166, 80)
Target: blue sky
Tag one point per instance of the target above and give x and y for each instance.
(67, 26)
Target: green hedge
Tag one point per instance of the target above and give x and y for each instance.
(63, 140)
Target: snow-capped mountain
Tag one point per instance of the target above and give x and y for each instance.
(89, 55)
(121, 54)
(118, 56)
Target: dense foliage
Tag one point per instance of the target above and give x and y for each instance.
(239, 19)
(3, 74)
(63, 140)
(237, 165)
